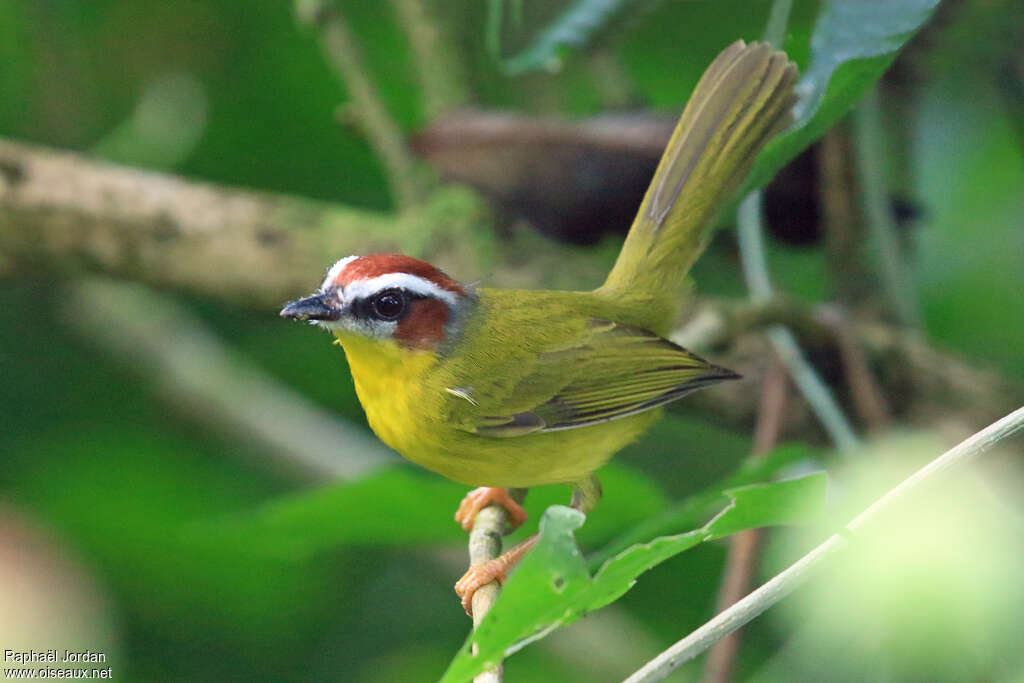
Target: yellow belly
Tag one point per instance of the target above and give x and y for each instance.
(390, 384)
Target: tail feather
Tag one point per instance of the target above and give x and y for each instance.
(744, 97)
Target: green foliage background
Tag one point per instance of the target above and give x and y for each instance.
(128, 486)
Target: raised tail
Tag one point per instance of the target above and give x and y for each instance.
(743, 98)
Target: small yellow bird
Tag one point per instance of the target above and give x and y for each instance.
(505, 388)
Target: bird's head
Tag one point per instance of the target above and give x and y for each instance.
(386, 297)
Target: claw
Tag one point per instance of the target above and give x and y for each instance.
(477, 577)
(477, 499)
(495, 570)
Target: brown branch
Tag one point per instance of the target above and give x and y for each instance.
(865, 394)
(742, 561)
(257, 249)
(841, 220)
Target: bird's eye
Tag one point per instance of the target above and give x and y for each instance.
(388, 305)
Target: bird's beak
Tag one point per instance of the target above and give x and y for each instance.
(311, 308)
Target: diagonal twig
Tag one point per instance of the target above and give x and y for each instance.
(800, 571)
(198, 374)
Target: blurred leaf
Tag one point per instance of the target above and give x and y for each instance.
(153, 488)
(967, 165)
(573, 27)
(932, 591)
(395, 506)
(406, 506)
(852, 45)
(552, 586)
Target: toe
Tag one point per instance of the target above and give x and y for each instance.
(470, 507)
(476, 577)
(477, 499)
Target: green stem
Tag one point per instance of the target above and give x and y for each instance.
(440, 77)
(381, 130)
(775, 28)
(782, 340)
(869, 155)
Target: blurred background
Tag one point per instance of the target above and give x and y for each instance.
(187, 483)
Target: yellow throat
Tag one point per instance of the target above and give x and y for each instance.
(388, 380)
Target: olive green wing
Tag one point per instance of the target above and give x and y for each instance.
(608, 371)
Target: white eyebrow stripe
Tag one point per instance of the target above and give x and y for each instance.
(334, 271)
(362, 289)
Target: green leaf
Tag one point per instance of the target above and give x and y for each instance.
(553, 587)
(853, 43)
(785, 502)
(693, 509)
(387, 507)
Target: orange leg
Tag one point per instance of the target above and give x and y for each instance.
(477, 499)
(495, 570)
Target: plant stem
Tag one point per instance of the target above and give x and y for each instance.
(484, 546)
(381, 129)
(778, 20)
(743, 547)
(784, 583)
(869, 156)
(782, 340)
(440, 78)
(869, 402)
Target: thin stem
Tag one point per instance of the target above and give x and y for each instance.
(484, 546)
(869, 155)
(782, 340)
(853, 282)
(778, 20)
(437, 71)
(742, 560)
(751, 241)
(198, 373)
(787, 581)
(381, 129)
(868, 400)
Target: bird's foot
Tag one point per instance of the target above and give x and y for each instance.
(494, 570)
(477, 499)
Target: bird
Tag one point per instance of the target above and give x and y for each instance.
(505, 389)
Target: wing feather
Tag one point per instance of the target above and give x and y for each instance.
(608, 371)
